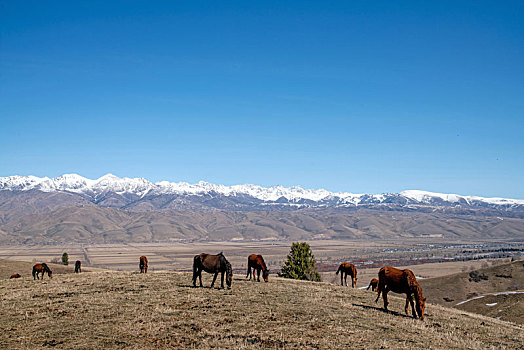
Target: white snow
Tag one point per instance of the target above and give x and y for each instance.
(508, 293)
(492, 304)
(425, 197)
(465, 301)
(141, 187)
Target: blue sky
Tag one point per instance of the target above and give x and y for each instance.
(365, 96)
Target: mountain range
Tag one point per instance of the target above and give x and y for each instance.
(112, 209)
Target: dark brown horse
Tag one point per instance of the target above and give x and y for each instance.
(347, 269)
(212, 264)
(373, 284)
(143, 264)
(404, 282)
(78, 266)
(256, 262)
(15, 275)
(41, 268)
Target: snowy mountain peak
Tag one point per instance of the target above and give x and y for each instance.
(141, 187)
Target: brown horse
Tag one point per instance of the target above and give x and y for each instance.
(401, 281)
(212, 264)
(143, 264)
(256, 262)
(78, 266)
(373, 284)
(347, 269)
(41, 268)
(15, 275)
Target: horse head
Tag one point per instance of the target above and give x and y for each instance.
(229, 275)
(265, 275)
(420, 303)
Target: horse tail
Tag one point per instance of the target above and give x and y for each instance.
(196, 263)
(248, 268)
(381, 282)
(34, 272)
(338, 269)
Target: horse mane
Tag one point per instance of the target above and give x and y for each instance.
(229, 269)
(46, 268)
(413, 285)
(263, 263)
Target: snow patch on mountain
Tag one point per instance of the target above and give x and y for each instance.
(142, 187)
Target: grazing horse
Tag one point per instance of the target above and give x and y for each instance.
(256, 262)
(212, 264)
(15, 275)
(41, 268)
(78, 266)
(347, 269)
(373, 284)
(143, 264)
(401, 281)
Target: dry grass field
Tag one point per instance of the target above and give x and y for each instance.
(101, 310)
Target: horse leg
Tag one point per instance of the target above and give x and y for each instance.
(341, 278)
(258, 275)
(248, 272)
(214, 279)
(412, 308)
(346, 280)
(406, 308)
(353, 282)
(200, 277)
(222, 280)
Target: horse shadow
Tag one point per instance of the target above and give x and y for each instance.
(368, 307)
(190, 286)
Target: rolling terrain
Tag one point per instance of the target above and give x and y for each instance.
(496, 291)
(130, 310)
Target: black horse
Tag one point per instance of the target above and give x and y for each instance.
(212, 264)
(78, 266)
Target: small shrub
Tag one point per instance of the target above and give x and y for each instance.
(65, 259)
(477, 276)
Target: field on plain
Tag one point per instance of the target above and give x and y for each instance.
(118, 309)
(421, 254)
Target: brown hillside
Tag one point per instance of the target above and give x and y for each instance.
(452, 289)
(94, 224)
(131, 310)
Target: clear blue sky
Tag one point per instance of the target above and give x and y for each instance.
(359, 96)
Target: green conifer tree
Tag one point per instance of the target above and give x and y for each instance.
(300, 263)
(65, 259)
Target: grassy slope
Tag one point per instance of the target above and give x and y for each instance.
(458, 287)
(130, 310)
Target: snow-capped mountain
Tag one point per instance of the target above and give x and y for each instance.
(135, 189)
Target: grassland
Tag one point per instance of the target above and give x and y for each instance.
(129, 310)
